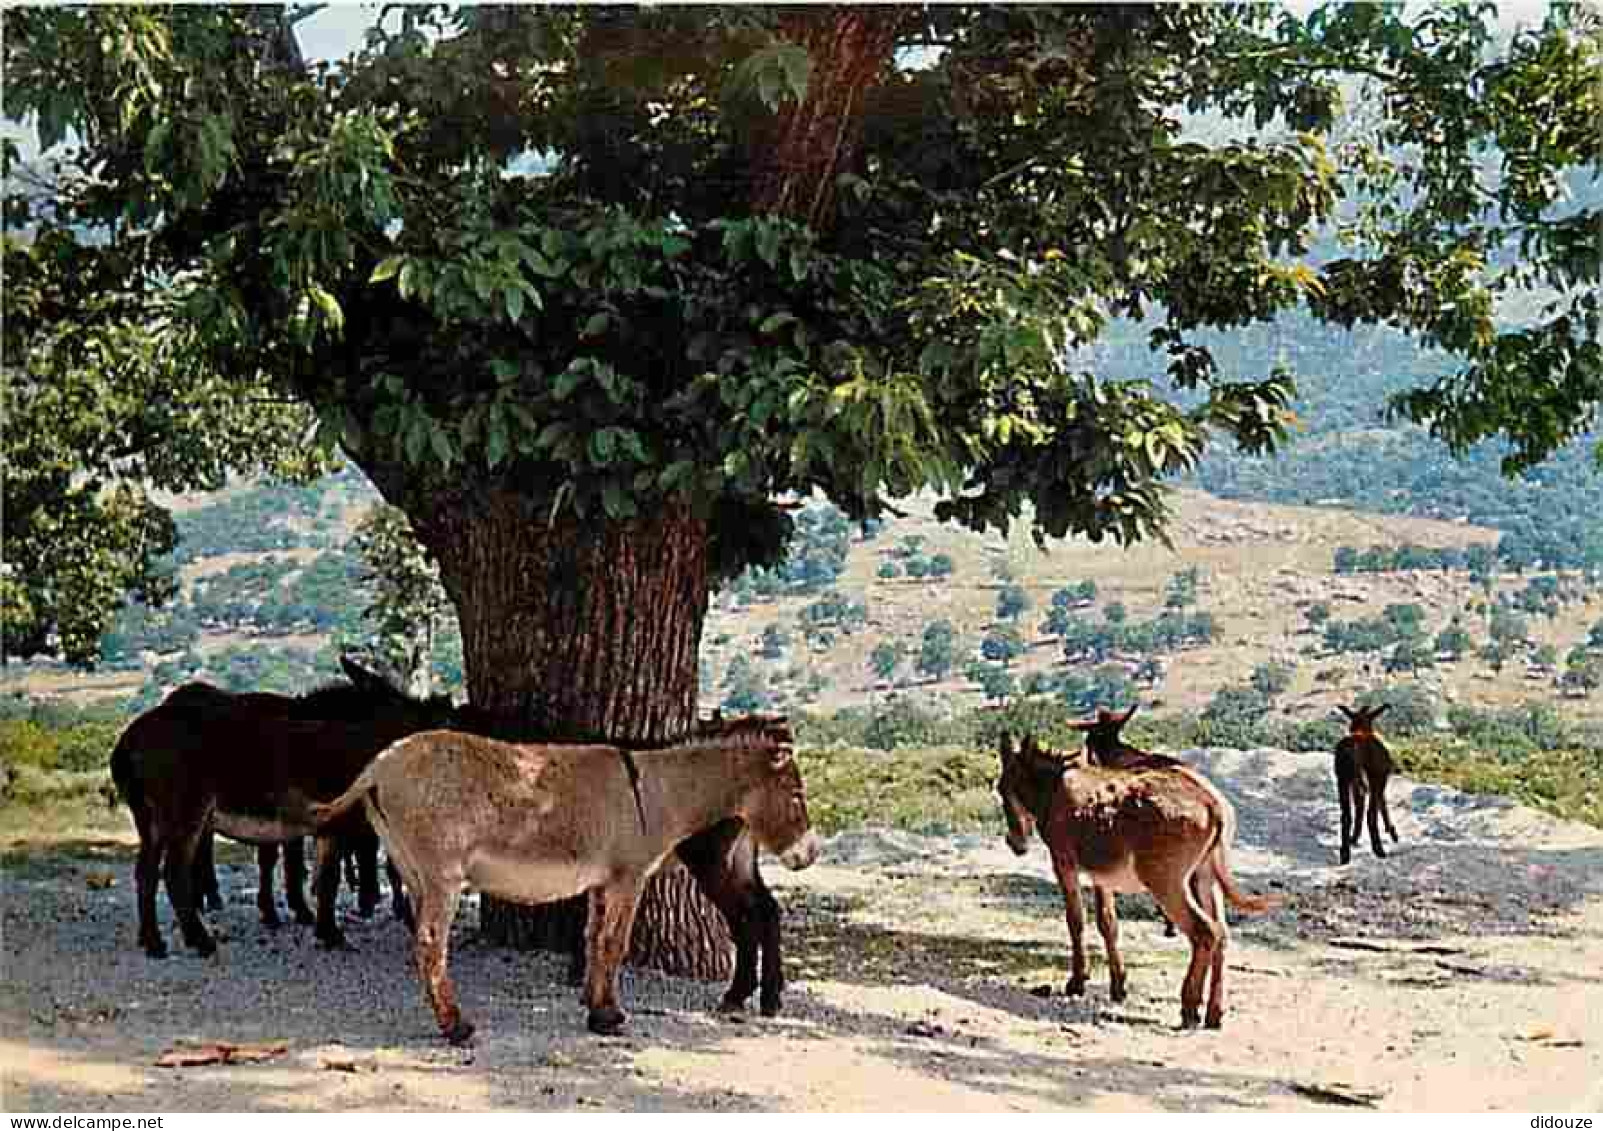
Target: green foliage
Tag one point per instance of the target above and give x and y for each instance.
(1002, 645)
(938, 650)
(407, 600)
(996, 681)
(1012, 601)
(641, 323)
(886, 658)
(1271, 679)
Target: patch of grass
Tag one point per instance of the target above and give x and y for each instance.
(1566, 783)
(932, 789)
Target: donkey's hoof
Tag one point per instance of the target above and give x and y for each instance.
(1075, 987)
(732, 1004)
(460, 1034)
(1189, 1019)
(270, 919)
(155, 948)
(606, 1022)
(1214, 1021)
(304, 917)
(333, 940)
(768, 1006)
(1117, 991)
(205, 946)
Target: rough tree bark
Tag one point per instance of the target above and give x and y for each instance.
(585, 630)
(591, 629)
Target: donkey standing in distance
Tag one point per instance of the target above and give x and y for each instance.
(534, 823)
(1363, 766)
(1160, 826)
(199, 761)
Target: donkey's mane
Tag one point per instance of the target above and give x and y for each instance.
(755, 734)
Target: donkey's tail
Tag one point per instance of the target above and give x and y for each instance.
(323, 814)
(1240, 900)
(1224, 837)
(123, 776)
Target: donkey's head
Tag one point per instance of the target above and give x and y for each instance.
(1029, 774)
(369, 697)
(1102, 741)
(777, 808)
(1361, 720)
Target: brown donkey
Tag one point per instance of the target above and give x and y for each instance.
(1159, 826)
(1363, 766)
(534, 823)
(201, 760)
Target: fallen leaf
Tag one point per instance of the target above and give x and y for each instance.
(100, 881)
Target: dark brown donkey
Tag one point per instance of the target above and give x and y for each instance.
(534, 823)
(1363, 766)
(1160, 826)
(198, 761)
(365, 695)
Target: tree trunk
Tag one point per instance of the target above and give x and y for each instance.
(584, 630)
(796, 161)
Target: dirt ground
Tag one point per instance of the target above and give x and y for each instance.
(1465, 972)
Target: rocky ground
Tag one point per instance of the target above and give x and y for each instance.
(1465, 972)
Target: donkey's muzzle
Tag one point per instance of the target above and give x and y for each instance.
(802, 853)
(1019, 844)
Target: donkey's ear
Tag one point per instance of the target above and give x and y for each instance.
(1376, 712)
(1004, 745)
(1120, 720)
(1346, 711)
(364, 677)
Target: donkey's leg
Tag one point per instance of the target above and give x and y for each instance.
(436, 909)
(1068, 873)
(1211, 900)
(179, 872)
(765, 911)
(295, 880)
(1360, 808)
(1107, 921)
(325, 887)
(147, 876)
(1344, 794)
(612, 915)
(400, 906)
(1175, 896)
(1385, 807)
(724, 864)
(207, 894)
(364, 849)
(266, 865)
(1376, 800)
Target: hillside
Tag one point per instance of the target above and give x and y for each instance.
(1260, 568)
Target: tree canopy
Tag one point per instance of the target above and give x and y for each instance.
(610, 260)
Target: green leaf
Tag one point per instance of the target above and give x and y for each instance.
(441, 443)
(513, 298)
(387, 268)
(497, 446)
(617, 503)
(596, 325)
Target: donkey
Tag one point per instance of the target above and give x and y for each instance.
(1363, 765)
(534, 823)
(366, 694)
(723, 862)
(1161, 827)
(1105, 747)
(203, 759)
